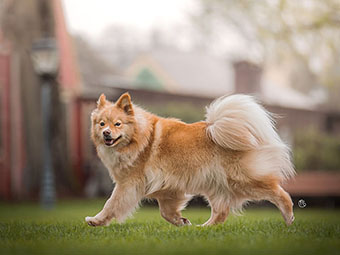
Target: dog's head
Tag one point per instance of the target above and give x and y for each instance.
(113, 124)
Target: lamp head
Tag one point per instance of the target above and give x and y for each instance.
(45, 57)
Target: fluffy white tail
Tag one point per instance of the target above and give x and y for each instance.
(237, 122)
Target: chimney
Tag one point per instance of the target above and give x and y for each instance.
(247, 77)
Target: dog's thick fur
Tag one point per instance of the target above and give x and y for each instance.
(233, 157)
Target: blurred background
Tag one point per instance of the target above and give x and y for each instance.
(174, 57)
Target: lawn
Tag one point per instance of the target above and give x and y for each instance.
(27, 229)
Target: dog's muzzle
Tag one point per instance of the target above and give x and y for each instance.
(109, 141)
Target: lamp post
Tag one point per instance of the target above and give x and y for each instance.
(45, 62)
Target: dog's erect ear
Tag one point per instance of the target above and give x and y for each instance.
(124, 102)
(101, 101)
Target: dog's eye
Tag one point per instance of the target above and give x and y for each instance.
(102, 123)
(117, 124)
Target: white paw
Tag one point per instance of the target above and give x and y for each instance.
(93, 221)
(185, 222)
(289, 220)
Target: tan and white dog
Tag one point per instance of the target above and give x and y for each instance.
(232, 157)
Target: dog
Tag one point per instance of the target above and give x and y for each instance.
(232, 157)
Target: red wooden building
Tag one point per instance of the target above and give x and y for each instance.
(16, 74)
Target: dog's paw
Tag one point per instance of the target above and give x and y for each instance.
(94, 222)
(289, 219)
(185, 222)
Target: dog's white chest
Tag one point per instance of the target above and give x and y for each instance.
(109, 157)
(115, 161)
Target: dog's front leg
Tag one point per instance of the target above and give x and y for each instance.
(124, 199)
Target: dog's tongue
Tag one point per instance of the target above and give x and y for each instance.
(109, 142)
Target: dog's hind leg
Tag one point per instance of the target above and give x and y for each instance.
(269, 189)
(219, 210)
(170, 208)
(279, 197)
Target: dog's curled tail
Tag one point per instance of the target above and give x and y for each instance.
(239, 123)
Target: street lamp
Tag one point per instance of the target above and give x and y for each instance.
(45, 60)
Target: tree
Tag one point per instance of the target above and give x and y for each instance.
(119, 44)
(306, 31)
(93, 67)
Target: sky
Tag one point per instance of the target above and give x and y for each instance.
(171, 17)
(90, 18)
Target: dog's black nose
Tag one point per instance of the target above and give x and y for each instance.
(106, 132)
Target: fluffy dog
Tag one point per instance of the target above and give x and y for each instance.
(232, 157)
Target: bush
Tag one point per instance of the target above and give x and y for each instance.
(316, 151)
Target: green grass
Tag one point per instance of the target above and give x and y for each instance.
(27, 229)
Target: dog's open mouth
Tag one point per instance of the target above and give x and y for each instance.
(109, 141)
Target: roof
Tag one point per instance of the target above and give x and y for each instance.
(276, 94)
(205, 75)
(188, 73)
